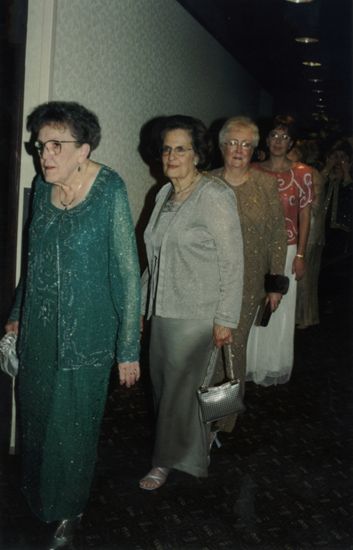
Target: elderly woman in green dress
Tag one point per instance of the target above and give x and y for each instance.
(76, 312)
(263, 228)
(191, 290)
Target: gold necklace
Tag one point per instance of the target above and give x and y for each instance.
(67, 204)
(188, 186)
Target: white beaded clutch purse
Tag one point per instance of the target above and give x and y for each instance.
(8, 355)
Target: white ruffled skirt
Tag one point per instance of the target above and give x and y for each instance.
(270, 349)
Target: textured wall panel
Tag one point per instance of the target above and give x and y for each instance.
(132, 60)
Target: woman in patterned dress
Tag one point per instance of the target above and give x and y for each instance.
(307, 307)
(270, 349)
(76, 312)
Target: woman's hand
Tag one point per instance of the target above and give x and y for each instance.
(12, 326)
(222, 335)
(129, 373)
(298, 267)
(275, 299)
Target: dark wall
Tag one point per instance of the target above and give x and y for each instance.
(13, 21)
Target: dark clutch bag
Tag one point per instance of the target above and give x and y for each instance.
(224, 399)
(264, 314)
(273, 283)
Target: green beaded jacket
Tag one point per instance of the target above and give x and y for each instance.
(82, 276)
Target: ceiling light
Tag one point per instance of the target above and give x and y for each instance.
(315, 80)
(300, 1)
(318, 91)
(312, 63)
(306, 39)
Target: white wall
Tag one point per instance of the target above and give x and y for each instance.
(130, 61)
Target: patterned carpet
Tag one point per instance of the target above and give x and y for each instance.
(281, 481)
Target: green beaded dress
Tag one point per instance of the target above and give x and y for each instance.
(80, 304)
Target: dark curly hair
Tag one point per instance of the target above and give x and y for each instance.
(82, 123)
(287, 123)
(200, 138)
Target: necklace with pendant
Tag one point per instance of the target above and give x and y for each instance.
(188, 186)
(67, 205)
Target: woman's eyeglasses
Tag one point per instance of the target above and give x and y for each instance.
(53, 146)
(178, 151)
(280, 137)
(235, 143)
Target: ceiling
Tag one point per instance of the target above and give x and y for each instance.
(260, 34)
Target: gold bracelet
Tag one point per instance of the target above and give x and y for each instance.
(300, 256)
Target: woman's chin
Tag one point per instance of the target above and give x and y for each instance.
(49, 176)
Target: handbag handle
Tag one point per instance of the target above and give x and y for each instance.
(228, 359)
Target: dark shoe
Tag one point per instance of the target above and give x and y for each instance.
(64, 533)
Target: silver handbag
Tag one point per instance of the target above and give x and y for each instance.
(8, 355)
(224, 399)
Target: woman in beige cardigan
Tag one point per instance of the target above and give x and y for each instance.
(192, 291)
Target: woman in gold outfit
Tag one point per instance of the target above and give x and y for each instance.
(264, 236)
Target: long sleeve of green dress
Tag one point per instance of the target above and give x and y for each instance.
(124, 277)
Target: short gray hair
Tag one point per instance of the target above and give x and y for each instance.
(243, 122)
